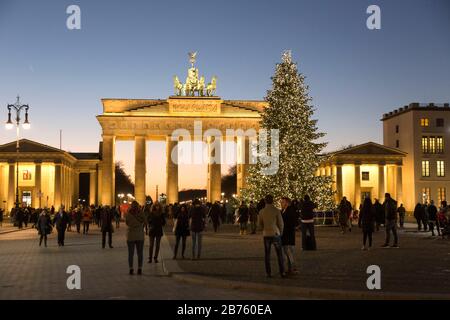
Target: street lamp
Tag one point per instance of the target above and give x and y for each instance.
(17, 107)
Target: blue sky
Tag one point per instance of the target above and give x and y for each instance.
(132, 49)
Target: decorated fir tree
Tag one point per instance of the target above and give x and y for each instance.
(290, 111)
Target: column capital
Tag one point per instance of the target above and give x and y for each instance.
(382, 163)
(37, 161)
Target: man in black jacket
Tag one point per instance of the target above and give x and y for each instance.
(289, 214)
(390, 210)
(307, 218)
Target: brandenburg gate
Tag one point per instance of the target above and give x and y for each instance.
(140, 120)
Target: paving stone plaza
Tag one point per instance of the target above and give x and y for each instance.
(232, 267)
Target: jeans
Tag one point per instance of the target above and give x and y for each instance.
(308, 227)
(183, 245)
(196, 244)
(243, 226)
(61, 236)
(276, 241)
(152, 244)
(109, 238)
(289, 253)
(391, 225)
(401, 220)
(431, 224)
(44, 237)
(253, 226)
(367, 235)
(139, 245)
(86, 227)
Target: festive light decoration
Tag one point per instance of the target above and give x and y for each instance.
(290, 111)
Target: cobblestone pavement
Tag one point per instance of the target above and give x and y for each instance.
(420, 265)
(32, 272)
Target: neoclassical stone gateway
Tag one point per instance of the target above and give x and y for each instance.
(142, 120)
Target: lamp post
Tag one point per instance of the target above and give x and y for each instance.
(17, 107)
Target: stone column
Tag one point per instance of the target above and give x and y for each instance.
(139, 169)
(399, 185)
(57, 200)
(242, 163)
(214, 174)
(76, 187)
(11, 185)
(171, 170)
(338, 183)
(357, 200)
(93, 187)
(37, 199)
(381, 182)
(108, 176)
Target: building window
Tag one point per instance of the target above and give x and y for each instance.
(365, 176)
(425, 195)
(396, 129)
(440, 168)
(424, 122)
(425, 168)
(442, 195)
(425, 145)
(439, 145)
(439, 122)
(432, 144)
(397, 143)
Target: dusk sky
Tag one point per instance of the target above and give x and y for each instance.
(132, 49)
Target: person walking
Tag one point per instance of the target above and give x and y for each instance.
(390, 209)
(214, 215)
(243, 217)
(307, 218)
(117, 216)
(135, 236)
(401, 215)
(379, 214)
(432, 219)
(155, 221)
(425, 217)
(419, 212)
(1, 217)
(181, 230)
(106, 216)
(197, 216)
(290, 223)
(60, 222)
(366, 221)
(253, 217)
(87, 218)
(44, 227)
(344, 209)
(271, 223)
(78, 218)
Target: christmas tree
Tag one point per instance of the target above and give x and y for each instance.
(290, 111)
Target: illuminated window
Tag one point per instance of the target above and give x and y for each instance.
(439, 122)
(432, 144)
(425, 168)
(365, 176)
(425, 145)
(441, 195)
(439, 145)
(424, 122)
(425, 195)
(440, 168)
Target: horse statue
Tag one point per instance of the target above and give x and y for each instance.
(211, 87)
(178, 86)
(200, 88)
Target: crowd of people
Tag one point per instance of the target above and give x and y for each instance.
(278, 226)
